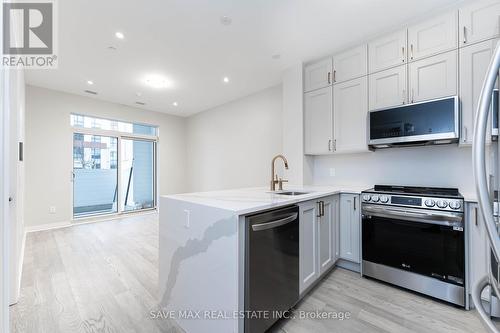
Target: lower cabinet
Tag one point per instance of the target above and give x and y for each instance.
(318, 238)
(479, 249)
(349, 226)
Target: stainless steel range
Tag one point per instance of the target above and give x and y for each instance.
(413, 237)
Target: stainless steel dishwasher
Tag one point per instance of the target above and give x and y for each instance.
(271, 266)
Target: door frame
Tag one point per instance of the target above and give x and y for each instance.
(119, 136)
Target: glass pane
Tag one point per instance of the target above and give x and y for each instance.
(111, 125)
(137, 175)
(95, 161)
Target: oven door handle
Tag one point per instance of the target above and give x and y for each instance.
(450, 220)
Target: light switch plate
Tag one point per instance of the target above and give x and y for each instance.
(52, 209)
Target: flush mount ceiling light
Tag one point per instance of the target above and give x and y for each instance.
(157, 81)
(225, 79)
(175, 103)
(89, 82)
(119, 35)
(225, 20)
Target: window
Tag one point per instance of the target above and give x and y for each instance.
(79, 121)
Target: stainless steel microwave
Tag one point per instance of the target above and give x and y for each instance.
(424, 123)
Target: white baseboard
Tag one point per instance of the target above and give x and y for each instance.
(47, 226)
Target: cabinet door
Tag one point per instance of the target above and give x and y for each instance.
(350, 64)
(309, 271)
(326, 236)
(433, 77)
(387, 52)
(349, 227)
(350, 115)
(388, 88)
(318, 75)
(479, 21)
(433, 36)
(318, 122)
(478, 246)
(474, 62)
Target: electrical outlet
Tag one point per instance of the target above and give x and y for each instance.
(52, 209)
(332, 172)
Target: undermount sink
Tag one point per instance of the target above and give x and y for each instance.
(291, 193)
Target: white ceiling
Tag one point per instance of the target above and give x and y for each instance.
(185, 41)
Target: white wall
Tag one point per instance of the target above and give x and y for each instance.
(232, 145)
(48, 149)
(17, 184)
(444, 166)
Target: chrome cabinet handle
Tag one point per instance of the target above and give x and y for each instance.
(354, 202)
(465, 34)
(465, 134)
(475, 215)
(404, 97)
(334, 75)
(321, 209)
(412, 95)
(330, 145)
(329, 78)
(411, 51)
(403, 49)
(335, 145)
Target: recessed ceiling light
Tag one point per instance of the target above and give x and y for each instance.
(175, 103)
(225, 79)
(119, 35)
(225, 20)
(89, 82)
(157, 81)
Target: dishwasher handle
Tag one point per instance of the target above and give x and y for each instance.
(274, 224)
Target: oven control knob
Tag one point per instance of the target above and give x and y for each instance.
(455, 205)
(366, 197)
(384, 199)
(375, 198)
(430, 203)
(442, 204)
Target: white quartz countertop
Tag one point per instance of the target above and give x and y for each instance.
(249, 200)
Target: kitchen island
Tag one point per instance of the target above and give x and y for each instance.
(202, 252)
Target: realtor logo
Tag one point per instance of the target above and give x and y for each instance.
(28, 34)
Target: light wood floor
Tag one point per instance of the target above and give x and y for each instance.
(102, 277)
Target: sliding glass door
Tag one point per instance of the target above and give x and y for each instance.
(114, 166)
(137, 174)
(95, 174)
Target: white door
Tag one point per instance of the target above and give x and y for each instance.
(318, 75)
(309, 271)
(350, 64)
(388, 88)
(387, 51)
(326, 235)
(474, 62)
(350, 115)
(433, 36)
(479, 21)
(349, 227)
(318, 121)
(433, 77)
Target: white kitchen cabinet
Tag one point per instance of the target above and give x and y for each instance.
(308, 240)
(388, 88)
(350, 64)
(479, 250)
(350, 232)
(479, 21)
(318, 75)
(433, 77)
(474, 62)
(433, 36)
(387, 51)
(318, 247)
(350, 113)
(318, 121)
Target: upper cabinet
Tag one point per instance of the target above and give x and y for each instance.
(318, 121)
(350, 113)
(388, 88)
(474, 62)
(387, 51)
(479, 21)
(433, 36)
(433, 77)
(350, 64)
(318, 75)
